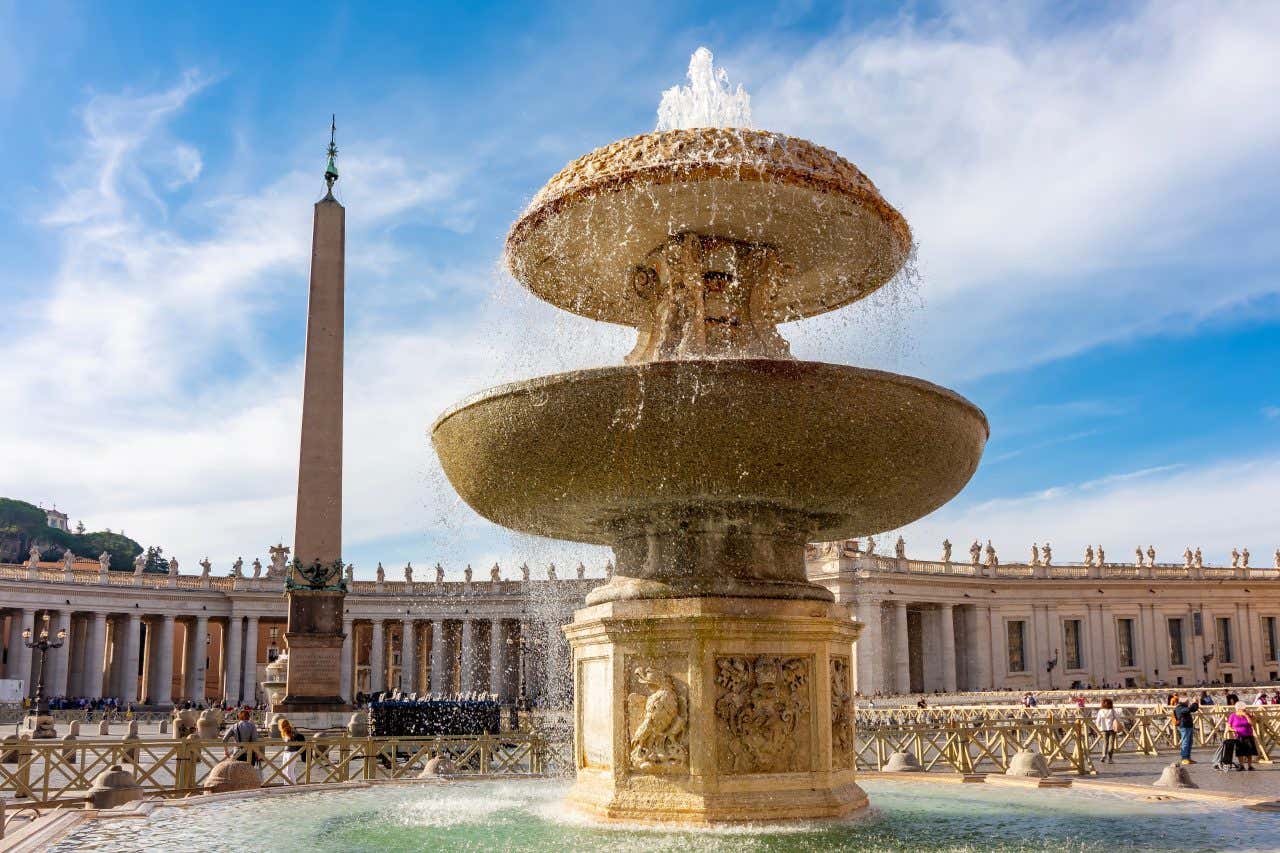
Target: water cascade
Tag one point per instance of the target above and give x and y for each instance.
(712, 681)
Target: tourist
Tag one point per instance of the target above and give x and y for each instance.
(1184, 717)
(293, 760)
(1241, 724)
(244, 732)
(1205, 699)
(1108, 722)
(1260, 699)
(1275, 698)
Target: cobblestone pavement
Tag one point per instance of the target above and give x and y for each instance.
(1145, 769)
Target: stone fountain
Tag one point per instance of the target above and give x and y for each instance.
(713, 681)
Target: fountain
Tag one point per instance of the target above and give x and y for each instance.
(712, 680)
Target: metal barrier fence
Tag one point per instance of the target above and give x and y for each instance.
(54, 772)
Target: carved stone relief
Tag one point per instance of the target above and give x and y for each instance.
(842, 742)
(657, 717)
(762, 703)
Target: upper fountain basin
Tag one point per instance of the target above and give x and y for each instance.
(576, 455)
(836, 238)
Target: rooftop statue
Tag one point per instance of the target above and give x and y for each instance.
(173, 567)
(237, 568)
(205, 567)
(1047, 555)
(946, 550)
(257, 567)
(1035, 554)
(1088, 555)
(408, 572)
(104, 562)
(439, 573)
(1244, 558)
(900, 548)
(381, 574)
(1235, 559)
(975, 553)
(495, 573)
(68, 560)
(1151, 555)
(1139, 558)
(1187, 558)
(139, 564)
(992, 560)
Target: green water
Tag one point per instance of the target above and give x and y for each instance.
(529, 816)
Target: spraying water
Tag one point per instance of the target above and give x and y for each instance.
(707, 101)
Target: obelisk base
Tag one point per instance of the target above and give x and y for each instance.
(710, 710)
(313, 682)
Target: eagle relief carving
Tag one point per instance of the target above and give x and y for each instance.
(658, 741)
(763, 707)
(842, 748)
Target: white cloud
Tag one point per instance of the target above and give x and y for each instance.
(1215, 507)
(1048, 175)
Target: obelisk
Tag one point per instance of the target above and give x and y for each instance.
(314, 582)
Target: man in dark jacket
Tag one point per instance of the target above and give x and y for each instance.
(1184, 715)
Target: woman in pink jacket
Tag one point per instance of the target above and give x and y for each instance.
(1242, 725)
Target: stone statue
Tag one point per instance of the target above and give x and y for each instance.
(659, 741)
(1088, 555)
(33, 557)
(551, 572)
(68, 560)
(946, 550)
(1102, 556)
(975, 553)
(608, 567)
(1151, 555)
(1235, 559)
(173, 567)
(139, 564)
(466, 573)
(237, 568)
(381, 573)
(992, 560)
(1199, 560)
(439, 573)
(871, 545)
(1186, 558)
(1035, 554)
(408, 572)
(1046, 555)
(257, 567)
(524, 571)
(495, 573)
(1244, 558)
(1278, 558)
(351, 573)
(279, 560)
(582, 571)
(1140, 559)
(104, 563)
(205, 567)
(900, 548)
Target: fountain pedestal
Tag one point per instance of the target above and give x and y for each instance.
(704, 710)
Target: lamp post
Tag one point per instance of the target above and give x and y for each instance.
(1049, 666)
(1204, 660)
(43, 643)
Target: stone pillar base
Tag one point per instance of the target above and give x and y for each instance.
(709, 710)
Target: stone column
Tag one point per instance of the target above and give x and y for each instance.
(377, 659)
(58, 665)
(948, 629)
(162, 691)
(408, 655)
(95, 662)
(231, 649)
(869, 649)
(437, 656)
(17, 651)
(79, 640)
(249, 692)
(345, 667)
(200, 658)
(983, 677)
(132, 641)
(468, 658)
(495, 657)
(901, 649)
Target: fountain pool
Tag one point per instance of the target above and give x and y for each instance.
(530, 816)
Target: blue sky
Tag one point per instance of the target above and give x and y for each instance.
(1093, 188)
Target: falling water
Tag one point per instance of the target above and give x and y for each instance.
(707, 101)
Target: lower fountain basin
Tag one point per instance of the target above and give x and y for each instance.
(830, 451)
(529, 816)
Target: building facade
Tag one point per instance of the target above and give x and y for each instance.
(159, 639)
(929, 626)
(981, 624)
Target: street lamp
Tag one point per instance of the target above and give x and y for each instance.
(43, 643)
(1204, 660)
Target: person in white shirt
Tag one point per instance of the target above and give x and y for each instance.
(1108, 722)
